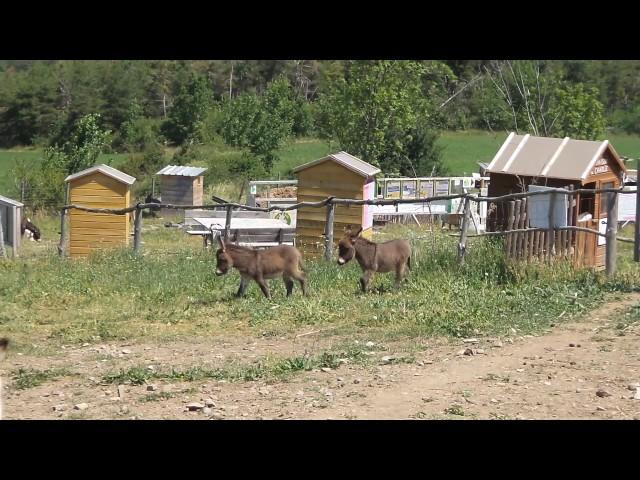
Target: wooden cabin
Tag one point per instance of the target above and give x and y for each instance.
(339, 175)
(11, 212)
(100, 187)
(525, 160)
(181, 186)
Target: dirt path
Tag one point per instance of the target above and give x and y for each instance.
(531, 377)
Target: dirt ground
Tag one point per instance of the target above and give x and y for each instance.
(583, 370)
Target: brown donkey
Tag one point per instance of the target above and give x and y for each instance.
(391, 256)
(259, 265)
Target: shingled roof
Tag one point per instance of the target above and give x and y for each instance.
(565, 158)
(346, 160)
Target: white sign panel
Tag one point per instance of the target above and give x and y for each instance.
(254, 189)
(602, 228)
(538, 209)
(627, 206)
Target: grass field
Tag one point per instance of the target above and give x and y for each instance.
(170, 291)
(461, 153)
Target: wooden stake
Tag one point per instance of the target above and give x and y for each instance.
(612, 230)
(462, 245)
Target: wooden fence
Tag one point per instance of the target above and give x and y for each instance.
(521, 242)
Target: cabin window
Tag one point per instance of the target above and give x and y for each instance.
(587, 201)
(604, 198)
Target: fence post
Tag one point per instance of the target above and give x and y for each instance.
(137, 228)
(570, 222)
(63, 223)
(227, 224)
(551, 232)
(510, 219)
(462, 245)
(3, 252)
(328, 231)
(636, 245)
(612, 230)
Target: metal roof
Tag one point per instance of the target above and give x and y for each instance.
(348, 161)
(182, 171)
(9, 201)
(107, 170)
(565, 158)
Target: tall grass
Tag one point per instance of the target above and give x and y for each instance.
(171, 290)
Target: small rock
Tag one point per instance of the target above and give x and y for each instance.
(356, 380)
(340, 379)
(601, 409)
(470, 340)
(152, 388)
(479, 351)
(206, 411)
(468, 351)
(126, 351)
(121, 391)
(86, 344)
(370, 344)
(603, 393)
(209, 402)
(124, 409)
(493, 400)
(387, 359)
(81, 406)
(428, 362)
(572, 344)
(325, 369)
(633, 386)
(519, 369)
(498, 344)
(194, 406)
(115, 399)
(637, 395)
(420, 363)
(217, 416)
(59, 408)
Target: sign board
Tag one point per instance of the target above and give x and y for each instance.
(393, 189)
(409, 189)
(538, 208)
(484, 192)
(254, 189)
(426, 188)
(442, 187)
(601, 166)
(602, 228)
(627, 206)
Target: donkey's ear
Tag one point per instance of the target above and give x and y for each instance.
(358, 232)
(347, 230)
(221, 242)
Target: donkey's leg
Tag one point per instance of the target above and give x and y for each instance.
(263, 286)
(366, 278)
(288, 283)
(302, 279)
(401, 270)
(243, 286)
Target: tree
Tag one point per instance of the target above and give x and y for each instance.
(378, 111)
(260, 123)
(81, 150)
(578, 113)
(189, 111)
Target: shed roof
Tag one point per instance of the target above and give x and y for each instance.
(182, 171)
(531, 156)
(346, 160)
(107, 170)
(9, 201)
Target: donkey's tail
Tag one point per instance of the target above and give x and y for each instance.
(409, 262)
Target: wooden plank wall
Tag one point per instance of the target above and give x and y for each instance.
(317, 183)
(89, 231)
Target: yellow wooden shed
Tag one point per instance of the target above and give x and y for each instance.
(340, 175)
(101, 186)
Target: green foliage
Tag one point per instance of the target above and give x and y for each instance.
(378, 111)
(578, 113)
(260, 123)
(137, 132)
(189, 111)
